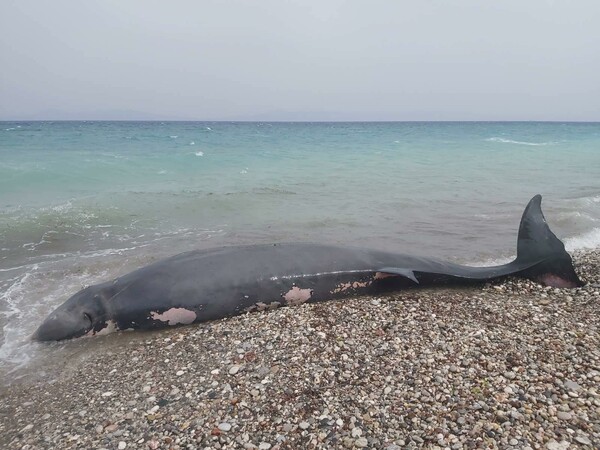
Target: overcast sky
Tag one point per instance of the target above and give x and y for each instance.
(300, 60)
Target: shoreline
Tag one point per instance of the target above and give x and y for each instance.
(504, 365)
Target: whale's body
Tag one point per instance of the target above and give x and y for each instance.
(205, 285)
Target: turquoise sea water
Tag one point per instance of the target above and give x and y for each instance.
(81, 202)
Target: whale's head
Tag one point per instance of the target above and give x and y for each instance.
(76, 317)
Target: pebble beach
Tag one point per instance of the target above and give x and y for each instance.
(504, 365)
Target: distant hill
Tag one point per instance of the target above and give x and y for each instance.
(114, 114)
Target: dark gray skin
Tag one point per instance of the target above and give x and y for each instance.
(205, 285)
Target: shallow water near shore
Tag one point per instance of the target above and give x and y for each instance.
(82, 202)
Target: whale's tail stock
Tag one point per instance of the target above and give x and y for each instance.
(545, 255)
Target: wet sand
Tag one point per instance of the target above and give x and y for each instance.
(509, 365)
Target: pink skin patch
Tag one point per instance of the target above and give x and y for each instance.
(297, 296)
(111, 327)
(175, 316)
(382, 275)
(549, 279)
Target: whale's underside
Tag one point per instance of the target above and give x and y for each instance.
(204, 285)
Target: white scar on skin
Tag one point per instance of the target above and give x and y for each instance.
(175, 316)
(351, 285)
(111, 327)
(306, 275)
(297, 296)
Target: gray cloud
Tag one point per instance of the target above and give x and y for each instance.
(300, 60)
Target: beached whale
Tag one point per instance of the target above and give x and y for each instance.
(204, 285)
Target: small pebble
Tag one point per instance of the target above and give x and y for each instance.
(572, 385)
(356, 432)
(224, 426)
(554, 445)
(583, 440)
(361, 442)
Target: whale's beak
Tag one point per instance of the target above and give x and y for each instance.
(63, 325)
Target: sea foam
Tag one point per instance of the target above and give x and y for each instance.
(510, 141)
(585, 241)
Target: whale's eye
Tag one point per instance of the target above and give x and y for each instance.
(88, 317)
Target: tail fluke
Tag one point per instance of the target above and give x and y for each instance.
(552, 265)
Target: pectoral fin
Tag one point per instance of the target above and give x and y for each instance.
(407, 273)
